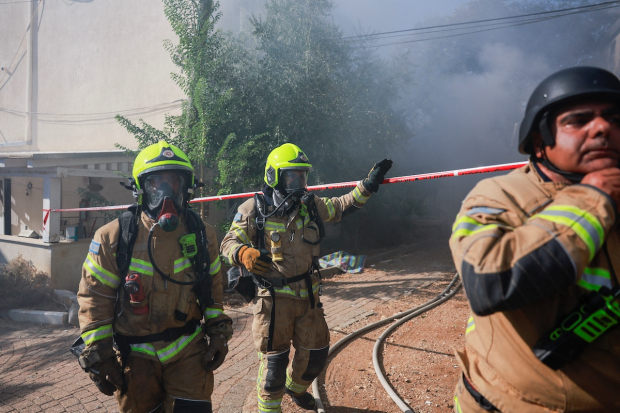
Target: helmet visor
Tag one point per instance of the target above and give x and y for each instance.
(293, 179)
(158, 185)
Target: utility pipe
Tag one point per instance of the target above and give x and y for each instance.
(29, 72)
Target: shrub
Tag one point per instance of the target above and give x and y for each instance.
(22, 286)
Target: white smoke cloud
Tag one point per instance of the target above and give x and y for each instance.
(470, 119)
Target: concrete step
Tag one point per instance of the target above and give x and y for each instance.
(58, 318)
(69, 300)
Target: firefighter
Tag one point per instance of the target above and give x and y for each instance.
(530, 246)
(276, 237)
(148, 280)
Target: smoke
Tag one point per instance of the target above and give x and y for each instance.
(471, 91)
(469, 118)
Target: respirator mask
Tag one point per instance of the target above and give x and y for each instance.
(163, 193)
(291, 188)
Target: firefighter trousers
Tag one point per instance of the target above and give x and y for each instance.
(295, 321)
(178, 386)
(464, 402)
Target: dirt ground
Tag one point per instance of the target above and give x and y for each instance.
(418, 358)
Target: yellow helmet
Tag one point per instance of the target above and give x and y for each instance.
(287, 156)
(158, 157)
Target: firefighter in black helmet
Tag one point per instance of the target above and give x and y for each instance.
(535, 244)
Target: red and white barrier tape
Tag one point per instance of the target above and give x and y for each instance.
(398, 179)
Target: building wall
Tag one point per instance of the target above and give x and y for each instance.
(63, 260)
(89, 222)
(26, 204)
(91, 61)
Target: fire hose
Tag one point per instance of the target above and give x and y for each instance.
(404, 316)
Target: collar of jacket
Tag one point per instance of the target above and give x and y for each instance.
(552, 188)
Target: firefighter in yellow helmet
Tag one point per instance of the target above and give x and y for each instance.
(275, 238)
(151, 284)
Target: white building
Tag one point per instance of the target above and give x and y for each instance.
(66, 69)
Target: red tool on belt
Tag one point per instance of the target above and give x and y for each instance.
(133, 287)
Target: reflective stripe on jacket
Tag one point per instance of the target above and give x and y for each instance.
(527, 250)
(166, 301)
(297, 255)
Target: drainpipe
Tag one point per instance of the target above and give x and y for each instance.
(29, 68)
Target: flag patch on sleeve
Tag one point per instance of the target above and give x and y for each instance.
(238, 217)
(94, 247)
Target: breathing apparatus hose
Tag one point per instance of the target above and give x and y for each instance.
(257, 201)
(164, 276)
(314, 214)
(411, 313)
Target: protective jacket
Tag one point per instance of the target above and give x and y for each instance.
(169, 305)
(297, 255)
(288, 313)
(527, 249)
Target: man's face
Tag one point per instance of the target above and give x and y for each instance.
(587, 137)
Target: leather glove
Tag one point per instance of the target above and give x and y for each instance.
(377, 175)
(107, 376)
(256, 261)
(216, 352)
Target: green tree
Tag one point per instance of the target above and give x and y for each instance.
(206, 62)
(294, 78)
(308, 85)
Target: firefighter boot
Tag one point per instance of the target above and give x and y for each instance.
(304, 400)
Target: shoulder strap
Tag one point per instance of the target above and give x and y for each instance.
(196, 226)
(129, 232)
(201, 261)
(259, 205)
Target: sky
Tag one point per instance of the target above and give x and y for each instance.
(387, 15)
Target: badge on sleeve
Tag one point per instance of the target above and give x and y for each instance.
(485, 210)
(238, 217)
(94, 247)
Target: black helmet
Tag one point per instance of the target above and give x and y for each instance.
(558, 88)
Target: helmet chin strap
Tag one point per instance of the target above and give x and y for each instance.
(549, 140)
(574, 177)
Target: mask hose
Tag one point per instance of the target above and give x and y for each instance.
(272, 213)
(164, 276)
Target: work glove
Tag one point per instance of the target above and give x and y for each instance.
(377, 175)
(100, 362)
(218, 346)
(256, 261)
(107, 376)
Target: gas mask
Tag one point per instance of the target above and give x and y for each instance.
(291, 188)
(163, 193)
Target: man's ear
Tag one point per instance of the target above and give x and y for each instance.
(537, 144)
